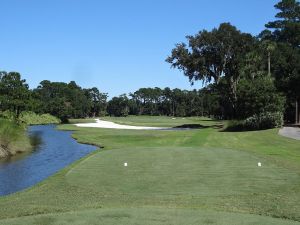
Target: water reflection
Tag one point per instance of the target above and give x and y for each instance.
(53, 150)
(36, 138)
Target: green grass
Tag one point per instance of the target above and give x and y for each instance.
(200, 176)
(73, 121)
(31, 118)
(13, 138)
(159, 121)
(146, 216)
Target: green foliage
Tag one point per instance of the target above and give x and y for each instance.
(118, 106)
(287, 27)
(97, 101)
(285, 31)
(267, 120)
(258, 96)
(13, 138)
(228, 57)
(212, 55)
(170, 102)
(8, 132)
(31, 118)
(68, 100)
(262, 121)
(14, 93)
(8, 115)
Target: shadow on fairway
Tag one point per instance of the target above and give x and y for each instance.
(199, 126)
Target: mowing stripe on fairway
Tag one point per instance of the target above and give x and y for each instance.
(147, 216)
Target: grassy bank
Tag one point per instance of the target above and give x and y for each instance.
(13, 138)
(200, 176)
(31, 118)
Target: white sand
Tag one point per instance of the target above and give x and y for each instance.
(106, 124)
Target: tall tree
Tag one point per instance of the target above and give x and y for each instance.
(287, 27)
(118, 106)
(14, 92)
(97, 100)
(286, 31)
(68, 100)
(214, 54)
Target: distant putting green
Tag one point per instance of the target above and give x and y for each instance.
(161, 121)
(200, 176)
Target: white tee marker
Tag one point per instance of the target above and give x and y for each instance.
(125, 164)
(259, 164)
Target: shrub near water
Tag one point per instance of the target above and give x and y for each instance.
(13, 138)
(262, 121)
(32, 118)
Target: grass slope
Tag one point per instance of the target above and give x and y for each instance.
(147, 216)
(198, 176)
(13, 138)
(31, 118)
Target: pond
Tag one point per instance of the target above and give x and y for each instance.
(53, 151)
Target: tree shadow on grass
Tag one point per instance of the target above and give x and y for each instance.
(198, 126)
(209, 120)
(242, 129)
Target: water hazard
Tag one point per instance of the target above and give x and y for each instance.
(53, 151)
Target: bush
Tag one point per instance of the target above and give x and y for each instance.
(13, 138)
(255, 97)
(262, 121)
(31, 118)
(8, 115)
(9, 132)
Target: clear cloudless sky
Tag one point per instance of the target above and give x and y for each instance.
(115, 45)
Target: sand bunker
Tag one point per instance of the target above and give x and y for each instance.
(111, 125)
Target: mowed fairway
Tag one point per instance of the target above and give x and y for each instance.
(201, 176)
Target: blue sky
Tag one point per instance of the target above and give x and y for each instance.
(115, 45)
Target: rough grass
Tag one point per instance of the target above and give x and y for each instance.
(31, 118)
(146, 216)
(13, 138)
(200, 176)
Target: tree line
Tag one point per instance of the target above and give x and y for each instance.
(167, 102)
(250, 75)
(69, 100)
(63, 100)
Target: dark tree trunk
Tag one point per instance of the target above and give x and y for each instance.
(297, 113)
(233, 96)
(269, 63)
(18, 113)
